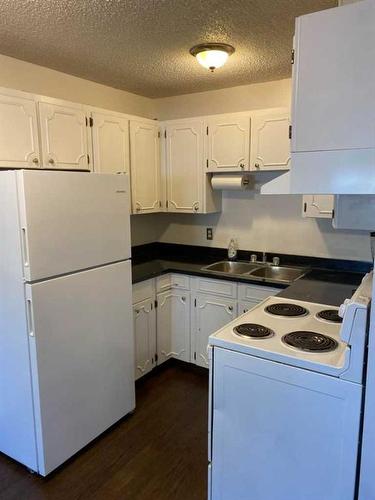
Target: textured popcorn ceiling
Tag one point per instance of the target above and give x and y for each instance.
(143, 45)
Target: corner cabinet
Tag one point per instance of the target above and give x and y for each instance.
(64, 136)
(270, 140)
(110, 142)
(19, 145)
(319, 206)
(145, 166)
(186, 185)
(228, 145)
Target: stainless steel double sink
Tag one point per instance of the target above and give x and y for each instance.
(261, 271)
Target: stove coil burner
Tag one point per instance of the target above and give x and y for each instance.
(310, 341)
(330, 315)
(252, 330)
(285, 309)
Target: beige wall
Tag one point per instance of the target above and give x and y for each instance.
(243, 98)
(29, 77)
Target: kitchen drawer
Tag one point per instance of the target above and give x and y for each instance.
(143, 290)
(172, 280)
(222, 288)
(257, 292)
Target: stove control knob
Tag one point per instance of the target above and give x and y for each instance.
(342, 308)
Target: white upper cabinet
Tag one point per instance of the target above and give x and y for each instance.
(228, 143)
(63, 128)
(110, 139)
(145, 166)
(319, 206)
(19, 147)
(184, 166)
(270, 142)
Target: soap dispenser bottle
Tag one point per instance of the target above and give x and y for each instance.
(232, 249)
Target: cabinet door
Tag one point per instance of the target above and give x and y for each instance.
(110, 136)
(19, 146)
(270, 143)
(173, 325)
(144, 318)
(246, 306)
(64, 136)
(228, 143)
(184, 172)
(211, 314)
(318, 205)
(145, 167)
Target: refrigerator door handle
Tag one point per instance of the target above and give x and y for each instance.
(25, 252)
(30, 318)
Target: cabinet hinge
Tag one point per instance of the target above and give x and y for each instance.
(159, 135)
(87, 121)
(333, 213)
(207, 163)
(166, 204)
(160, 204)
(156, 358)
(91, 119)
(88, 159)
(165, 133)
(292, 57)
(195, 356)
(195, 302)
(305, 207)
(156, 304)
(290, 131)
(207, 130)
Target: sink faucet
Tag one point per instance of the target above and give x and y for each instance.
(254, 258)
(276, 261)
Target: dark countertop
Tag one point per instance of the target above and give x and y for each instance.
(319, 285)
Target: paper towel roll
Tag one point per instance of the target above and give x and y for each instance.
(230, 182)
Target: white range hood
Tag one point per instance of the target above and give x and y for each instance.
(333, 105)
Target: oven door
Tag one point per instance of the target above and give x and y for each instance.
(281, 432)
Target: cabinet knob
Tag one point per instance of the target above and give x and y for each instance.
(242, 165)
(183, 299)
(230, 308)
(51, 161)
(257, 165)
(196, 208)
(36, 161)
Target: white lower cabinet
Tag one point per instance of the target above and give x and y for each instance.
(144, 318)
(173, 325)
(211, 313)
(187, 310)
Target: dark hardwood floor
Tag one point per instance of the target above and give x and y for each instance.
(159, 453)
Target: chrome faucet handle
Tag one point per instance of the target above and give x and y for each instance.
(276, 261)
(253, 257)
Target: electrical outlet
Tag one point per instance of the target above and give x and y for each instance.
(209, 233)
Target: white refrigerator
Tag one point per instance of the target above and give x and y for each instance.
(66, 329)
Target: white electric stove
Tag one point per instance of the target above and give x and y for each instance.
(286, 398)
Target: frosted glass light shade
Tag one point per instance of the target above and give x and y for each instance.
(212, 55)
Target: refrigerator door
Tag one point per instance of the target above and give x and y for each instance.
(82, 359)
(71, 221)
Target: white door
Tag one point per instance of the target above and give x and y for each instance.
(228, 143)
(274, 426)
(110, 137)
(71, 221)
(144, 318)
(333, 79)
(270, 143)
(318, 206)
(63, 129)
(173, 325)
(246, 305)
(184, 174)
(145, 167)
(211, 314)
(19, 145)
(82, 358)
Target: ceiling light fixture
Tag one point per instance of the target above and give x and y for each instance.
(212, 55)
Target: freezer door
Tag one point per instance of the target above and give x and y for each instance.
(281, 432)
(72, 221)
(82, 357)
